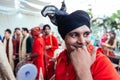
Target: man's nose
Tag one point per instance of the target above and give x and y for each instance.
(81, 40)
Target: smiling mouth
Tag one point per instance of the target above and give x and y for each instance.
(78, 46)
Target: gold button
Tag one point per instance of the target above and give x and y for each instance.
(67, 73)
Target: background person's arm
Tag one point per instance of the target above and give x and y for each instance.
(110, 46)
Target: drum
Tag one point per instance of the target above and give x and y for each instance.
(26, 71)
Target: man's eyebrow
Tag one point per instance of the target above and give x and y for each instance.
(88, 31)
(71, 32)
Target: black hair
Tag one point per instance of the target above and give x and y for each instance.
(111, 41)
(17, 29)
(25, 29)
(46, 26)
(8, 30)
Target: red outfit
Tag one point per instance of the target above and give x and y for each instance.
(49, 40)
(102, 68)
(52, 41)
(103, 40)
(106, 52)
(38, 48)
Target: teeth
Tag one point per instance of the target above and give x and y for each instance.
(78, 46)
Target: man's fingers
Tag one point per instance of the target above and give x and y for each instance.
(93, 56)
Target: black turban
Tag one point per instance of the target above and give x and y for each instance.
(67, 23)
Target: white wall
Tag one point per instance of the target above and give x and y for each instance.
(24, 20)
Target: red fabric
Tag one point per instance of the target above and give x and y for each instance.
(50, 70)
(38, 48)
(90, 48)
(35, 31)
(14, 46)
(102, 68)
(17, 44)
(50, 40)
(103, 40)
(110, 53)
(64, 69)
(49, 53)
(7, 47)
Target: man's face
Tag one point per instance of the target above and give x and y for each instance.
(47, 30)
(7, 34)
(18, 32)
(77, 38)
(23, 32)
(111, 35)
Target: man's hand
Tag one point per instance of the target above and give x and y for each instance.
(48, 47)
(82, 60)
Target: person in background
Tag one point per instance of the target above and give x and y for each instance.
(0, 38)
(104, 38)
(10, 47)
(51, 44)
(38, 52)
(6, 72)
(110, 44)
(80, 60)
(17, 37)
(25, 47)
(14, 34)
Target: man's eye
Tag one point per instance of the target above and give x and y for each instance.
(73, 35)
(86, 34)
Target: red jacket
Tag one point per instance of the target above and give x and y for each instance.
(102, 68)
(50, 40)
(38, 48)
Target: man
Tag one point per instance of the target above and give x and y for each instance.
(110, 44)
(25, 44)
(51, 44)
(17, 37)
(5, 68)
(38, 51)
(80, 60)
(10, 46)
(0, 38)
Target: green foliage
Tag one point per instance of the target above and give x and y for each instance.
(112, 22)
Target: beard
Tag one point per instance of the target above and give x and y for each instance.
(47, 33)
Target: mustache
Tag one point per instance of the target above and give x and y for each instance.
(79, 45)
